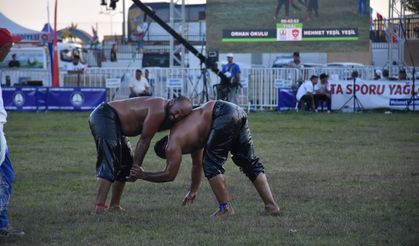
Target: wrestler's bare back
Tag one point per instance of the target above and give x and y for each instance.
(192, 132)
(133, 112)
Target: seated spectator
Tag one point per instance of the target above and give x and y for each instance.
(322, 93)
(305, 99)
(139, 86)
(14, 62)
(402, 74)
(377, 74)
(386, 74)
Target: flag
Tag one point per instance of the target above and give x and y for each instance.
(55, 70)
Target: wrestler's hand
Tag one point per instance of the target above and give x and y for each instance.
(190, 197)
(135, 173)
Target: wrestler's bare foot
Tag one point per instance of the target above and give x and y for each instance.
(272, 210)
(228, 210)
(99, 209)
(116, 209)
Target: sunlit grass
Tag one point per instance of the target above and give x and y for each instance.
(341, 179)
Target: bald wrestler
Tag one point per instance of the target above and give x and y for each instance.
(111, 124)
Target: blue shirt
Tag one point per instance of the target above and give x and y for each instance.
(233, 68)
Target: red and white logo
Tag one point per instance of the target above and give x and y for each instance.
(295, 33)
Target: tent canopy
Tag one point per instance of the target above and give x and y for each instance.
(27, 35)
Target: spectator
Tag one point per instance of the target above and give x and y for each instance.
(76, 65)
(139, 87)
(7, 174)
(232, 71)
(322, 93)
(386, 74)
(279, 4)
(402, 74)
(312, 8)
(362, 7)
(14, 62)
(296, 61)
(146, 75)
(305, 99)
(113, 53)
(416, 31)
(149, 80)
(377, 74)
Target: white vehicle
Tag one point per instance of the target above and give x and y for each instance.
(28, 57)
(35, 63)
(66, 51)
(38, 57)
(346, 64)
(282, 61)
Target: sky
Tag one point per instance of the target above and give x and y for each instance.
(33, 14)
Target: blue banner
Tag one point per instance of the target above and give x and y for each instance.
(286, 99)
(75, 99)
(21, 98)
(52, 99)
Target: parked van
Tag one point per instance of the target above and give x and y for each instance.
(35, 63)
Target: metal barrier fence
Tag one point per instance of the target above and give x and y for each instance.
(259, 85)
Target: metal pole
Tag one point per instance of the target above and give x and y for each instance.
(172, 40)
(123, 22)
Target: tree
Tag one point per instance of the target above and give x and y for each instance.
(413, 5)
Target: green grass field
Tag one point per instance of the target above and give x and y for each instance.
(341, 179)
(258, 14)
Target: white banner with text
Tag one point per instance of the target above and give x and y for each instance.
(374, 94)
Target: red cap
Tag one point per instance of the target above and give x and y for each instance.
(6, 37)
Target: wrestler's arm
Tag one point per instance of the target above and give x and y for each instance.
(196, 176)
(155, 117)
(174, 158)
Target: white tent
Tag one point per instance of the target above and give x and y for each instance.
(27, 35)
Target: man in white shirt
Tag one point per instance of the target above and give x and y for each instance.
(305, 99)
(139, 86)
(7, 174)
(76, 65)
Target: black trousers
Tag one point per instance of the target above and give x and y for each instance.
(230, 133)
(306, 103)
(320, 99)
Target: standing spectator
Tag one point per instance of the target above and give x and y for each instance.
(279, 6)
(305, 99)
(113, 53)
(296, 61)
(362, 7)
(7, 174)
(76, 65)
(139, 86)
(312, 8)
(322, 93)
(232, 71)
(149, 80)
(14, 62)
